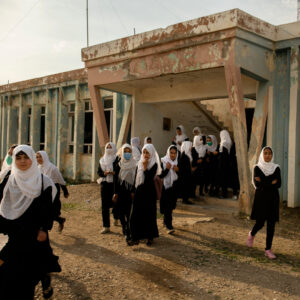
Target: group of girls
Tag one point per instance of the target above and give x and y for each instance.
(29, 195)
(207, 164)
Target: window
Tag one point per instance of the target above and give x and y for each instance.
(71, 126)
(166, 124)
(88, 128)
(42, 127)
(28, 125)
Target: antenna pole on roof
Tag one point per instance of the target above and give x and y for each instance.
(87, 23)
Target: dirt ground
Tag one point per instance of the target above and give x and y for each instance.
(206, 257)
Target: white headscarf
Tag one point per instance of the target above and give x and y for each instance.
(268, 168)
(180, 138)
(199, 147)
(5, 168)
(107, 160)
(225, 140)
(186, 148)
(127, 168)
(136, 148)
(172, 176)
(214, 145)
(197, 129)
(50, 170)
(23, 187)
(146, 138)
(154, 158)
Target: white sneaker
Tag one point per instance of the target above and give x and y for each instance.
(105, 230)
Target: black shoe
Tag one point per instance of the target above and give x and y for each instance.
(149, 242)
(132, 242)
(48, 292)
(61, 224)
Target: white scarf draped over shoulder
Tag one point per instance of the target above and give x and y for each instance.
(172, 176)
(50, 170)
(268, 168)
(106, 162)
(23, 187)
(199, 147)
(225, 140)
(186, 148)
(214, 145)
(136, 148)
(154, 158)
(127, 168)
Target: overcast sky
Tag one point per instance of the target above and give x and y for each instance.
(43, 37)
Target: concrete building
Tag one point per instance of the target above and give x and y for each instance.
(231, 56)
(54, 113)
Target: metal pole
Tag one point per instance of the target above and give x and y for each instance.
(87, 23)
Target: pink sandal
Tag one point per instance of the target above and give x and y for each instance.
(270, 254)
(250, 240)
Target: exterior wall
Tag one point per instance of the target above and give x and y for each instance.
(15, 103)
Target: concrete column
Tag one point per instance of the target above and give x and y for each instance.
(78, 134)
(259, 122)
(35, 123)
(237, 108)
(1, 117)
(99, 115)
(294, 131)
(23, 114)
(95, 153)
(62, 130)
(4, 127)
(270, 119)
(115, 113)
(49, 125)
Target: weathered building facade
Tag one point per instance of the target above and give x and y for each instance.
(230, 56)
(54, 113)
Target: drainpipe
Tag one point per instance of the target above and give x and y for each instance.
(56, 127)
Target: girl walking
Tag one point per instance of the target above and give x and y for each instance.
(26, 216)
(50, 170)
(170, 189)
(124, 188)
(106, 171)
(143, 223)
(267, 181)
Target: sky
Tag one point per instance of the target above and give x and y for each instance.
(43, 37)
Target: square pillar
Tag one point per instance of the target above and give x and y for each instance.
(95, 153)
(49, 125)
(23, 113)
(294, 131)
(237, 108)
(35, 123)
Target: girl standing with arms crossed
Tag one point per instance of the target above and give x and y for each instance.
(267, 181)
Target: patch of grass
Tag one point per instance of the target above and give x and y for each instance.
(159, 215)
(69, 206)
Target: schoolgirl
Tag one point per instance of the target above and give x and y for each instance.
(106, 171)
(50, 170)
(185, 172)
(147, 140)
(180, 137)
(26, 216)
(7, 162)
(136, 148)
(198, 164)
(169, 195)
(124, 188)
(143, 223)
(266, 180)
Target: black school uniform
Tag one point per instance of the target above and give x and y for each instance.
(185, 178)
(199, 172)
(223, 172)
(143, 224)
(168, 199)
(107, 191)
(26, 260)
(266, 203)
(124, 201)
(211, 170)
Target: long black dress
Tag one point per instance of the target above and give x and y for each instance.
(211, 170)
(185, 178)
(106, 192)
(168, 199)
(143, 223)
(199, 173)
(124, 201)
(266, 200)
(26, 260)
